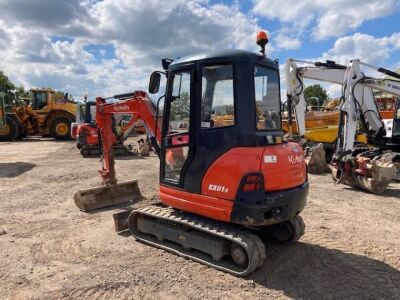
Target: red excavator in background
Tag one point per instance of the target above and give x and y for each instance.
(224, 187)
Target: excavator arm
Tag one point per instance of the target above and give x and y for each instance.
(358, 98)
(295, 75)
(140, 106)
(358, 106)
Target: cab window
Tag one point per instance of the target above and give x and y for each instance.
(267, 98)
(179, 117)
(217, 101)
(39, 100)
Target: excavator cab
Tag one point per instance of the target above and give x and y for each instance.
(222, 138)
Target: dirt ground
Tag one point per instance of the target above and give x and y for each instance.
(49, 249)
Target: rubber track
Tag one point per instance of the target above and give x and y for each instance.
(250, 242)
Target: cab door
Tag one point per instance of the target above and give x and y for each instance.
(176, 145)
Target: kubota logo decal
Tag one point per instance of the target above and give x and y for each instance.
(218, 188)
(121, 108)
(296, 159)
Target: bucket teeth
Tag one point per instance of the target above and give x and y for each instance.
(107, 195)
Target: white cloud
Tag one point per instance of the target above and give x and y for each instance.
(332, 18)
(141, 33)
(333, 90)
(365, 47)
(287, 42)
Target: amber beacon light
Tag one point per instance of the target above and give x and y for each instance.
(262, 40)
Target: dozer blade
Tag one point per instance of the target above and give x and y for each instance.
(121, 220)
(381, 175)
(107, 195)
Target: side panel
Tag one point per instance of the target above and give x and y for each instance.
(206, 206)
(283, 167)
(223, 177)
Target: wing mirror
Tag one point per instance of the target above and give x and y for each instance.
(154, 84)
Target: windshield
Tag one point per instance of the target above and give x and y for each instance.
(267, 97)
(39, 100)
(81, 112)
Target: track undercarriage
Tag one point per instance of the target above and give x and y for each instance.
(227, 247)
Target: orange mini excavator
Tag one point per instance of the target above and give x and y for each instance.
(224, 187)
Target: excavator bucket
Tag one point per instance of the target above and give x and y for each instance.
(316, 159)
(381, 174)
(107, 195)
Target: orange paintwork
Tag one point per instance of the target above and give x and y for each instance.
(222, 179)
(211, 207)
(139, 105)
(228, 170)
(387, 114)
(91, 133)
(288, 171)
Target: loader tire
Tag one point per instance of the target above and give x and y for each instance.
(22, 133)
(60, 128)
(9, 131)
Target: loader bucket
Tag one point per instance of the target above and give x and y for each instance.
(381, 175)
(107, 195)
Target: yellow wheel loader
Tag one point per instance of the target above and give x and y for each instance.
(41, 114)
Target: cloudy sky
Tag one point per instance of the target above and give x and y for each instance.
(108, 47)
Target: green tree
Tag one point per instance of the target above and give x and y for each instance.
(317, 91)
(7, 87)
(21, 92)
(180, 106)
(58, 95)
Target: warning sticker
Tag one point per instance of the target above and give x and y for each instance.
(270, 159)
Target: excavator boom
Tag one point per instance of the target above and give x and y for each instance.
(111, 192)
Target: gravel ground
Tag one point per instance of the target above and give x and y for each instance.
(51, 250)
